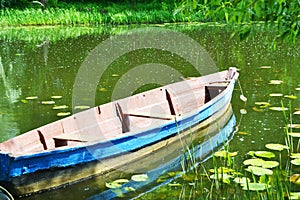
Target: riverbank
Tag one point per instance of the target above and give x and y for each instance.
(95, 14)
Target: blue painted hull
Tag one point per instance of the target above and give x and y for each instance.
(14, 168)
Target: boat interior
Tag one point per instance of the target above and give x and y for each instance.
(140, 112)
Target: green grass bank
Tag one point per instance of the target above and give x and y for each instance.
(94, 14)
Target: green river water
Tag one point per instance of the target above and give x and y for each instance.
(44, 62)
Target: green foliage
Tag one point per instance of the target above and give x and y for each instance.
(285, 15)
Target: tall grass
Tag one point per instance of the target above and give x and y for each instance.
(93, 14)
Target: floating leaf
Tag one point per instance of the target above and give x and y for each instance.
(223, 170)
(24, 101)
(278, 108)
(174, 184)
(242, 133)
(225, 154)
(293, 125)
(295, 155)
(294, 195)
(259, 171)
(293, 134)
(102, 89)
(81, 107)
(243, 111)
(275, 82)
(56, 97)
(63, 114)
(241, 180)
(290, 96)
(295, 178)
(255, 186)
(270, 164)
(224, 177)
(277, 147)
(257, 109)
(297, 112)
(130, 189)
(251, 153)
(48, 102)
(31, 98)
(113, 185)
(140, 177)
(243, 98)
(121, 181)
(262, 103)
(264, 154)
(275, 95)
(296, 161)
(265, 67)
(254, 162)
(60, 107)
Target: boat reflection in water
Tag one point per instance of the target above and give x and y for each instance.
(202, 140)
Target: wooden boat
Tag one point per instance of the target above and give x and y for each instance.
(155, 160)
(108, 136)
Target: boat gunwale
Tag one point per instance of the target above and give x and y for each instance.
(177, 119)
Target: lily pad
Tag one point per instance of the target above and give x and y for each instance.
(121, 180)
(81, 107)
(254, 162)
(60, 107)
(224, 177)
(265, 67)
(243, 111)
(48, 102)
(31, 97)
(294, 195)
(130, 189)
(257, 109)
(290, 96)
(140, 177)
(297, 112)
(174, 185)
(275, 82)
(223, 170)
(24, 101)
(295, 155)
(277, 147)
(294, 134)
(243, 98)
(241, 180)
(255, 186)
(270, 164)
(56, 97)
(296, 161)
(295, 178)
(264, 154)
(242, 133)
(113, 185)
(102, 89)
(63, 114)
(225, 154)
(259, 171)
(278, 108)
(262, 103)
(293, 125)
(275, 95)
